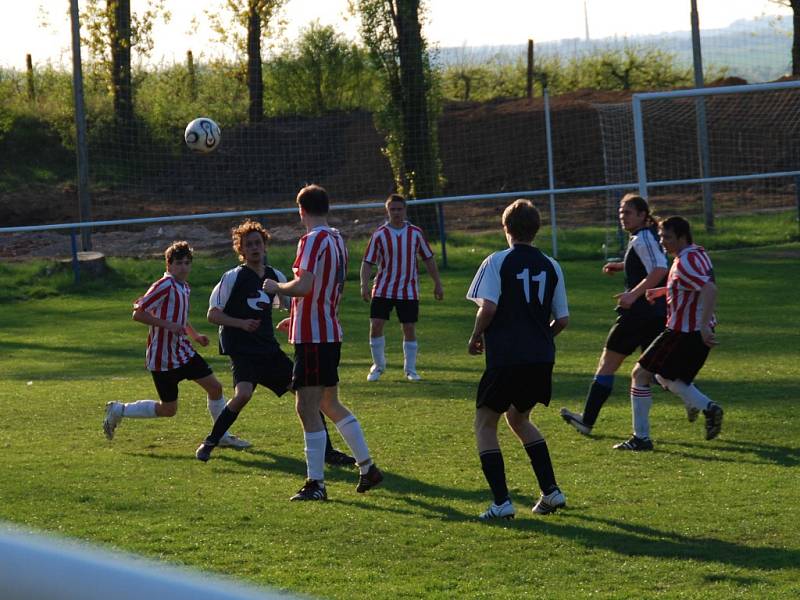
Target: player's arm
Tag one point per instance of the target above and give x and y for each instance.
(217, 317)
(367, 269)
(483, 318)
(142, 316)
(299, 286)
(653, 293)
(708, 300)
(626, 299)
(433, 271)
(197, 337)
(612, 267)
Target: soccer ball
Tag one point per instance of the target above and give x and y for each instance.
(202, 135)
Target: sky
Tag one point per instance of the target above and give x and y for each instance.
(42, 28)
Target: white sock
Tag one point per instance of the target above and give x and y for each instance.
(690, 395)
(410, 356)
(315, 454)
(215, 408)
(376, 346)
(641, 401)
(141, 409)
(350, 430)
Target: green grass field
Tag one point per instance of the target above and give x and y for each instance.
(694, 519)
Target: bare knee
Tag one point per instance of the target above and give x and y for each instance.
(640, 375)
(409, 332)
(376, 327)
(167, 409)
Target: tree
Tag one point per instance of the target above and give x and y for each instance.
(795, 6)
(392, 32)
(112, 31)
(257, 18)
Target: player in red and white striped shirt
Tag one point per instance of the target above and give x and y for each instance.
(314, 329)
(677, 355)
(170, 357)
(394, 248)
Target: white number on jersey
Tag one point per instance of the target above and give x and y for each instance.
(540, 279)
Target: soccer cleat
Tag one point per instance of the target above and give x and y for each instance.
(311, 490)
(231, 441)
(691, 413)
(335, 458)
(374, 373)
(713, 416)
(413, 376)
(550, 503)
(576, 420)
(203, 452)
(503, 511)
(635, 444)
(112, 418)
(370, 479)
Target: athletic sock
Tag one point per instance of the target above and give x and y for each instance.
(641, 401)
(215, 407)
(315, 454)
(494, 470)
(410, 356)
(141, 409)
(542, 465)
(599, 392)
(351, 431)
(376, 347)
(328, 445)
(221, 425)
(690, 395)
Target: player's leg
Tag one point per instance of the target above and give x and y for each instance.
(166, 383)
(216, 404)
(599, 391)
(241, 396)
(379, 310)
(641, 401)
(408, 316)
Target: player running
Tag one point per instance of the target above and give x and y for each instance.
(678, 354)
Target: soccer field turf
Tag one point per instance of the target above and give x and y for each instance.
(694, 519)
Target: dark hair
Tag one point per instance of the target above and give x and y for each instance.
(522, 220)
(314, 200)
(640, 205)
(242, 231)
(177, 251)
(395, 198)
(679, 226)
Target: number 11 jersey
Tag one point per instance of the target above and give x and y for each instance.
(528, 288)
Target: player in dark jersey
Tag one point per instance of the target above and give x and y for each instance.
(638, 322)
(517, 292)
(243, 312)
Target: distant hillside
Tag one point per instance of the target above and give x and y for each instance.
(756, 50)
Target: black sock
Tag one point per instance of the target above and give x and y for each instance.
(221, 425)
(597, 396)
(542, 466)
(495, 472)
(328, 445)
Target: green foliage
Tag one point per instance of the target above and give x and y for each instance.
(229, 20)
(320, 72)
(675, 523)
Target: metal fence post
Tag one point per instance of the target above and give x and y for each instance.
(76, 267)
(550, 174)
(442, 233)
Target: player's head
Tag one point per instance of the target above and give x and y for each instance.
(521, 221)
(179, 259)
(634, 213)
(675, 234)
(250, 241)
(313, 200)
(396, 209)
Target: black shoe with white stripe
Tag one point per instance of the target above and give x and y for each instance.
(636, 444)
(713, 416)
(311, 490)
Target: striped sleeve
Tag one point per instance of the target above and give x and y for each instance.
(154, 296)
(693, 270)
(486, 284)
(423, 247)
(372, 253)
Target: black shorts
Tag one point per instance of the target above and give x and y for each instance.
(407, 310)
(520, 385)
(676, 355)
(273, 371)
(631, 332)
(167, 381)
(316, 365)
